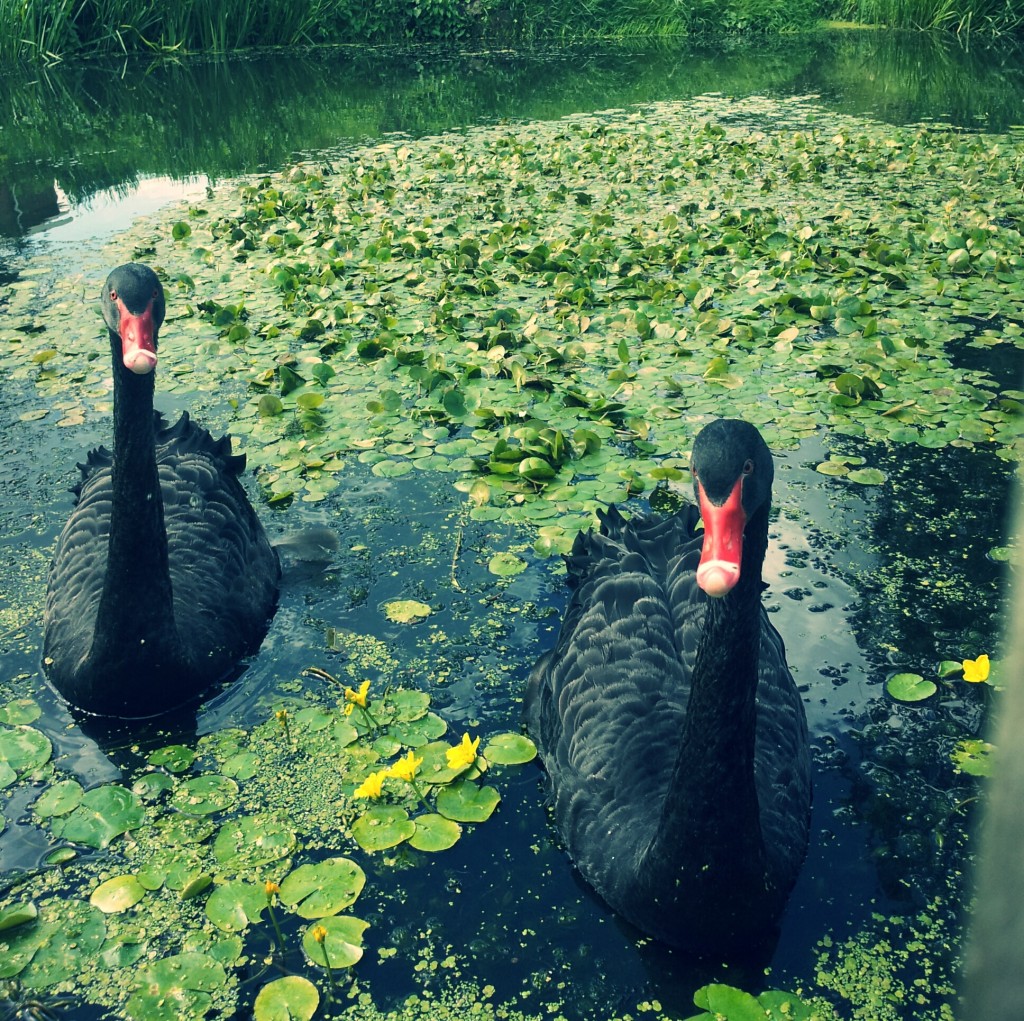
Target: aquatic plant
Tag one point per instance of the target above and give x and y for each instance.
(185, 846)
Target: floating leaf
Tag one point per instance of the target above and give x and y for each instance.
(117, 894)
(24, 749)
(867, 476)
(973, 756)
(510, 749)
(434, 833)
(203, 795)
(292, 998)
(505, 565)
(325, 888)
(17, 915)
(235, 905)
(463, 801)
(59, 799)
(19, 711)
(342, 944)
(64, 938)
(176, 987)
(407, 611)
(251, 841)
(382, 827)
(175, 757)
(104, 813)
(908, 687)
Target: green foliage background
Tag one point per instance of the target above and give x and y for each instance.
(51, 30)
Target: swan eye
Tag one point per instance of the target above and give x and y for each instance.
(748, 467)
(113, 294)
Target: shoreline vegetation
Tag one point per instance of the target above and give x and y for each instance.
(50, 31)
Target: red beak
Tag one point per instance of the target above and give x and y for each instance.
(719, 568)
(138, 349)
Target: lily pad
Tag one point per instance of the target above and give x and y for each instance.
(24, 748)
(58, 799)
(234, 906)
(434, 833)
(17, 915)
(407, 611)
(867, 476)
(104, 813)
(342, 944)
(19, 711)
(909, 687)
(505, 565)
(204, 795)
(292, 998)
(382, 827)
(176, 987)
(419, 732)
(246, 843)
(65, 937)
(463, 801)
(325, 888)
(510, 749)
(117, 894)
(175, 757)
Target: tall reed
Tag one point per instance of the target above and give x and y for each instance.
(988, 17)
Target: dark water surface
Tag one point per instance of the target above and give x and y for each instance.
(85, 150)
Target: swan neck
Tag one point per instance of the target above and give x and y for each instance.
(715, 763)
(136, 605)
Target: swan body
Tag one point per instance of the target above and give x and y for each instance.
(670, 727)
(163, 577)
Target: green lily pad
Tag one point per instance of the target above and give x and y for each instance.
(151, 786)
(24, 749)
(908, 687)
(408, 704)
(434, 833)
(20, 710)
(505, 565)
(117, 894)
(325, 888)
(292, 998)
(342, 944)
(104, 813)
(463, 801)
(974, 757)
(382, 827)
(204, 795)
(435, 768)
(407, 611)
(510, 749)
(867, 476)
(419, 732)
(253, 840)
(174, 757)
(176, 987)
(234, 906)
(17, 915)
(66, 937)
(58, 799)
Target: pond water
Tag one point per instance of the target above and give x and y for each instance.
(862, 579)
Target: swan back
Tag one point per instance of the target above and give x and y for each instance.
(670, 727)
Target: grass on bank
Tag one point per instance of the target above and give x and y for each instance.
(51, 30)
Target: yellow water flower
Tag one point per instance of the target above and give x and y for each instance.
(463, 754)
(372, 786)
(319, 933)
(406, 768)
(270, 888)
(357, 697)
(976, 670)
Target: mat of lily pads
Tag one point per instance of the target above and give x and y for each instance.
(546, 313)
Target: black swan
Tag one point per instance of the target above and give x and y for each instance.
(670, 727)
(163, 577)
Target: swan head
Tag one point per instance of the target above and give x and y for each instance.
(133, 309)
(732, 476)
